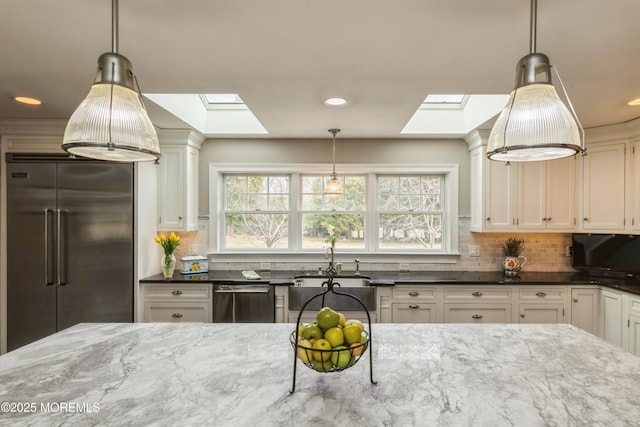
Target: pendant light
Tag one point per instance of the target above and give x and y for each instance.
(535, 124)
(112, 122)
(333, 186)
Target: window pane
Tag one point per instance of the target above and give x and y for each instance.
(352, 198)
(254, 231)
(349, 229)
(408, 231)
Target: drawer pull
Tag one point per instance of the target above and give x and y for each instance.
(176, 315)
(575, 300)
(477, 294)
(522, 315)
(477, 316)
(541, 294)
(176, 293)
(414, 306)
(414, 294)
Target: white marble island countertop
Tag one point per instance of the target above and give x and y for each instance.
(240, 375)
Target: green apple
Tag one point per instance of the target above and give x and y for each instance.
(321, 344)
(352, 333)
(334, 336)
(322, 366)
(327, 318)
(341, 356)
(312, 332)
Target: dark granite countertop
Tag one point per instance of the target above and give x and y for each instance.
(390, 278)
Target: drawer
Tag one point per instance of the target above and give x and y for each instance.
(477, 313)
(415, 292)
(177, 312)
(470, 293)
(177, 292)
(541, 294)
(634, 305)
(414, 312)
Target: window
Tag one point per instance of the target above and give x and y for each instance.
(256, 211)
(410, 212)
(398, 210)
(340, 215)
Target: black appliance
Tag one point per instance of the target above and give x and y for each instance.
(243, 303)
(602, 253)
(70, 244)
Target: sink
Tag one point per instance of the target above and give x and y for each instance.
(344, 281)
(307, 286)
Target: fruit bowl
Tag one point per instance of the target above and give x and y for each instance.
(330, 360)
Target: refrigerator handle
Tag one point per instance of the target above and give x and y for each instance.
(47, 282)
(59, 260)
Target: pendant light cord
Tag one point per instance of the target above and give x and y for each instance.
(114, 26)
(334, 132)
(533, 24)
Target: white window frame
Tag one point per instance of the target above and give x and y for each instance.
(448, 254)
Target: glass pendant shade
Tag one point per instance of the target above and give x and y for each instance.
(333, 186)
(111, 124)
(535, 125)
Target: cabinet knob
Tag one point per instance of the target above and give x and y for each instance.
(575, 300)
(414, 306)
(176, 293)
(414, 294)
(176, 315)
(544, 219)
(477, 316)
(488, 218)
(585, 219)
(522, 315)
(541, 294)
(180, 218)
(477, 294)
(549, 219)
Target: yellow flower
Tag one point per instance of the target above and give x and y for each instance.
(169, 244)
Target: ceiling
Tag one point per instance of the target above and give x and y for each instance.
(283, 57)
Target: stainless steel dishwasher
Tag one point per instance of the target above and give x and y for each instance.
(244, 303)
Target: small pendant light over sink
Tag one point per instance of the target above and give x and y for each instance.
(333, 186)
(112, 123)
(535, 124)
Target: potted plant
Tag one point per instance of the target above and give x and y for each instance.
(513, 258)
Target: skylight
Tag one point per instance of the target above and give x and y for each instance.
(444, 99)
(211, 114)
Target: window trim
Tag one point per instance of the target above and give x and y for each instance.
(295, 170)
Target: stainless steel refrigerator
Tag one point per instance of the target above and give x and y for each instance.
(70, 244)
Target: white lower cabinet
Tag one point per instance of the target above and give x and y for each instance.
(584, 309)
(541, 304)
(415, 312)
(177, 303)
(541, 313)
(634, 334)
(611, 321)
(477, 313)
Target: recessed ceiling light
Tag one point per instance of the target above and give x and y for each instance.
(634, 102)
(27, 100)
(335, 102)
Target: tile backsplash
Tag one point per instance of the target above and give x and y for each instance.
(544, 252)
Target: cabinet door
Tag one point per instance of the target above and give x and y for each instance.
(499, 196)
(541, 313)
(584, 309)
(414, 312)
(177, 312)
(191, 188)
(603, 196)
(477, 313)
(636, 187)
(561, 194)
(611, 317)
(634, 334)
(171, 189)
(531, 196)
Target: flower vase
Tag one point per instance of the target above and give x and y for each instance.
(168, 265)
(512, 264)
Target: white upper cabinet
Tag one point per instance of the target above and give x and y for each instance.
(546, 195)
(178, 180)
(604, 171)
(531, 196)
